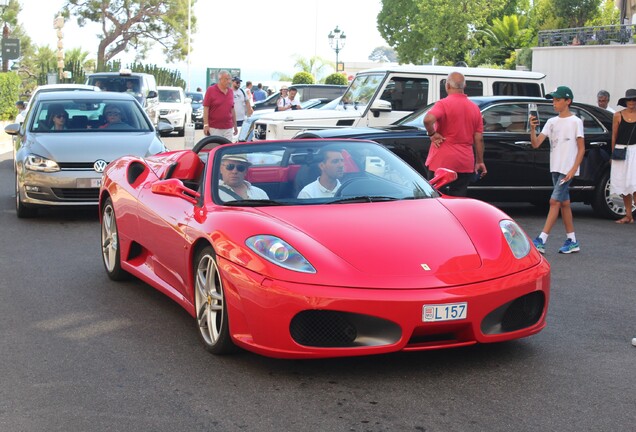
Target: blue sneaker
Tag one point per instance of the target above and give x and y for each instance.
(569, 246)
(538, 243)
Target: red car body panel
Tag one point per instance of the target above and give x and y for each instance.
(437, 251)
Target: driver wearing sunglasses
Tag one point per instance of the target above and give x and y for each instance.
(233, 185)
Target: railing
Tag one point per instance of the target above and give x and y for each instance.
(601, 35)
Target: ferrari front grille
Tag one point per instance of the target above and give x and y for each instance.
(335, 329)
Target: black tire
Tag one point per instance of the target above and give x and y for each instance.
(110, 243)
(22, 210)
(210, 305)
(606, 205)
(209, 140)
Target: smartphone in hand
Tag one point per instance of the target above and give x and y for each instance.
(533, 112)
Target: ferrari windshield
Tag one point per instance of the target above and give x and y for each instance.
(84, 115)
(310, 172)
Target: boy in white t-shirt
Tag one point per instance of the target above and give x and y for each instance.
(567, 148)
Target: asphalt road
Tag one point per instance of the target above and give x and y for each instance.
(79, 352)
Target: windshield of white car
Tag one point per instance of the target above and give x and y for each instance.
(361, 91)
(170, 96)
(298, 173)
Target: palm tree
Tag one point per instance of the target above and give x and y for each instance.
(504, 36)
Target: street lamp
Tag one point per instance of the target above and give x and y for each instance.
(337, 40)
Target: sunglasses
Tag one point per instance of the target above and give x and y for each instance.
(239, 167)
(59, 116)
(113, 113)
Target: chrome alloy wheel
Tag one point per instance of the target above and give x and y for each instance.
(210, 303)
(110, 244)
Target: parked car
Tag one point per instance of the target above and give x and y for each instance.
(197, 108)
(64, 167)
(247, 129)
(174, 107)
(50, 88)
(305, 92)
(142, 86)
(516, 172)
(380, 96)
(385, 265)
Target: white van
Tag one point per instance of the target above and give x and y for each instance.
(379, 97)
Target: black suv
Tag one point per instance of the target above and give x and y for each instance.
(516, 171)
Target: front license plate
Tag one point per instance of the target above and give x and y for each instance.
(89, 183)
(444, 312)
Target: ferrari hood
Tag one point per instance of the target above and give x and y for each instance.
(89, 147)
(402, 239)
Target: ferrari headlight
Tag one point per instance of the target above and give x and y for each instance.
(38, 163)
(279, 252)
(516, 238)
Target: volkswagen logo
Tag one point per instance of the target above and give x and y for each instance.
(100, 165)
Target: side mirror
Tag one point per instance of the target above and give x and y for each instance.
(188, 100)
(174, 187)
(164, 127)
(12, 129)
(380, 105)
(442, 177)
(152, 94)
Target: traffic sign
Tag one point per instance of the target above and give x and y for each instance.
(10, 49)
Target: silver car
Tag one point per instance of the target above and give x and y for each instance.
(66, 141)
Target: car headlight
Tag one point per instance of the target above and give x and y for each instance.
(38, 163)
(516, 238)
(279, 252)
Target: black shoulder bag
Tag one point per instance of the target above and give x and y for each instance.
(621, 153)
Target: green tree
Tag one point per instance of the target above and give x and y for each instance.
(383, 54)
(136, 24)
(608, 14)
(303, 78)
(80, 56)
(337, 78)
(422, 29)
(313, 65)
(503, 37)
(575, 13)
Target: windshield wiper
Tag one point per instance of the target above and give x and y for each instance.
(363, 198)
(254, 203)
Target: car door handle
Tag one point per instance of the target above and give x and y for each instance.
(523, 143)
(598, 143)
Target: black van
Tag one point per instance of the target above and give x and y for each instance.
(305, 92)
(141, 85)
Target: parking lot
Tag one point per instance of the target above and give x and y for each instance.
(80, 352)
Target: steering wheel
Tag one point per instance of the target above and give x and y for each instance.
(363, 186)
(213, 139)
(349, 184)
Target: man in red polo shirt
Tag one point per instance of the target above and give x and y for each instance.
(455, 127)
(219, 117)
